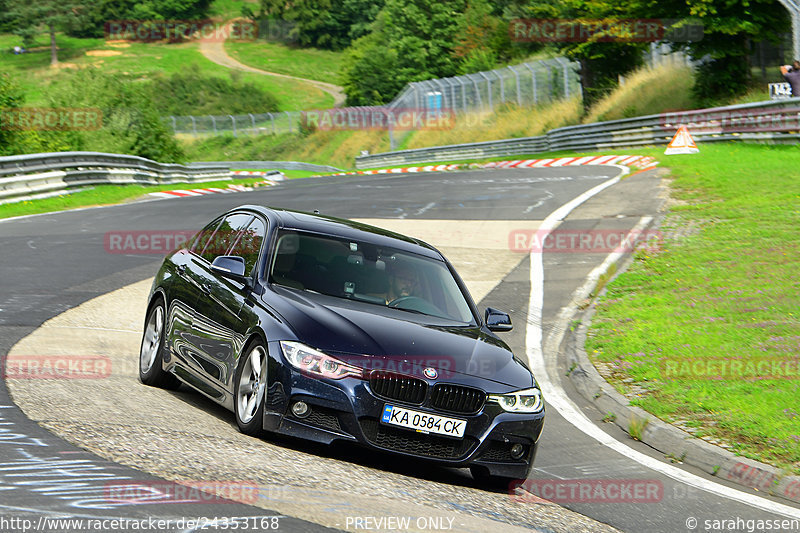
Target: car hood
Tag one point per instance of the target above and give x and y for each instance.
(377, 338)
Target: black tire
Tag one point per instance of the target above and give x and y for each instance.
(249, 390)
(151, 352)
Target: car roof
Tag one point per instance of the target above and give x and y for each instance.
(341, 227)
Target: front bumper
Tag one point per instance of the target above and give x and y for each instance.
(348, 409)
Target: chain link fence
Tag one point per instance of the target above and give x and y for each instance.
(250, 124)
(530, 83)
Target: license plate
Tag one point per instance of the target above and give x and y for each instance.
(423, 422)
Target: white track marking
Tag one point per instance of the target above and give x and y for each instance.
(557, 399)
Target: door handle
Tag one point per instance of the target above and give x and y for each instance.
(181, 269)
(206, 288)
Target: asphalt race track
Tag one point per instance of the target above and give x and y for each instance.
(120, 432)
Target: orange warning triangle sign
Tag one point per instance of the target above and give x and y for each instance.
(682, 143)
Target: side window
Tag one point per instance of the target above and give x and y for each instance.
(248, 244)
(225, 236)
(200, 240)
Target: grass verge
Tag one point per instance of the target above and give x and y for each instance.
(703, 332)
(308, 63)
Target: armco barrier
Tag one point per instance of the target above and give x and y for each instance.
(270, 165)
(40, 173)
(772, 121)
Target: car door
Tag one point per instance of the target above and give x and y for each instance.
(221, 318)
(184, 292)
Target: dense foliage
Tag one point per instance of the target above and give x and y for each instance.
(130, 123)
(191, 93)
(730, 30)
(328, 24)
(413, 40)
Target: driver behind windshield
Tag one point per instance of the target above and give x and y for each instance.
(403, 282)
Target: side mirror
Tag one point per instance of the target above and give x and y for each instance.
(230, 266)
(497, 320)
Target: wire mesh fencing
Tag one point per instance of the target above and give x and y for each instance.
(250, 124)
(529, 83)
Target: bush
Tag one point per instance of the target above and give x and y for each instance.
(131, 124)
(191, 93)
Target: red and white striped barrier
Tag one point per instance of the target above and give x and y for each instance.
(402, 170)
(637, 161)
(211, 190)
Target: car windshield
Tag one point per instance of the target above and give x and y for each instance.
(367, 272)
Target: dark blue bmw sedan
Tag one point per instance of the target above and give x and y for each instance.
(327, 329)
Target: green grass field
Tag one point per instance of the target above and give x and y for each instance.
(32, 70)
(722, 289)
(227, 9)
(309, 63)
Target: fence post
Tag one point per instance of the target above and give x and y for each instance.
(289, 117)
(272, 119)
(233, 121)
(502, 86)
(463, 84)
(392, 140)
(477, 90)
(488, 87)
(516, 77)
(253, 120)
(213, 123)
(565, 67)
(452, 93)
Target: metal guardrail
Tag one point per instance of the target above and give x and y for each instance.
(41, 173)
(771, 121)
(271, 165)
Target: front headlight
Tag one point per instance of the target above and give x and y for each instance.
(524, 401)
(316, 363)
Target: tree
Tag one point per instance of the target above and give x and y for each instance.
(602, 57)
(479, 37)
(330, 24)
(11, 97)
(729, 30)
(51, 15)
(13, 139)
(367, 71)
(130, 122)
(411, 40)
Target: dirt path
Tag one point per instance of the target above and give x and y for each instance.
(215, 51)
